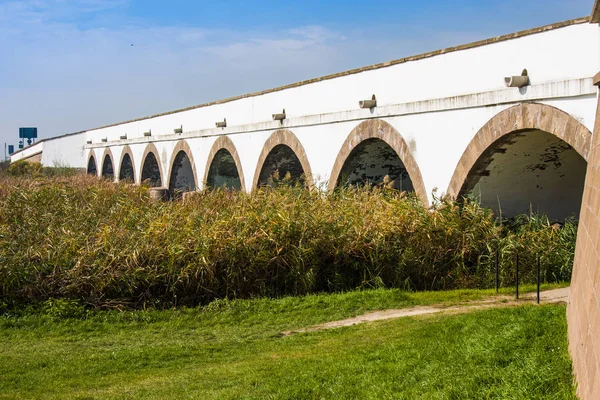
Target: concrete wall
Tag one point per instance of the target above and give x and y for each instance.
(65, 151)
(583, 312)
(28, 152)
(34, 158)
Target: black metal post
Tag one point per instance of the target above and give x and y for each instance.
(497, 280)
(538, 279)
(517, 277)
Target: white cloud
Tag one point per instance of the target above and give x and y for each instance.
(62, 77)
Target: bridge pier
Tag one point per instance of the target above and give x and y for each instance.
(583, 311)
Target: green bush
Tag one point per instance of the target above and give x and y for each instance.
(58, 309)
(109, 245)
(35, 170)
(4, 166)
(24, 168)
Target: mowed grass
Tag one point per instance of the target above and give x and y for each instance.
(234, 349)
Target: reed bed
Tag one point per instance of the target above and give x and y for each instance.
(108, 245)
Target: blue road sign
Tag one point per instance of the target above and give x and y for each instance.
(27, 133)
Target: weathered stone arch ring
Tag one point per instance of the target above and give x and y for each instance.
(379, 129)
(126, 150)
(182, 145)
(108, 152)
(151, 148)
(285, 137)
(525, 116)
(224, 142)
(92, 154)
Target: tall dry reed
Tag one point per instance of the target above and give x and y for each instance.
(107, 244)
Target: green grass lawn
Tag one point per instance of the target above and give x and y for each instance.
(233, 349)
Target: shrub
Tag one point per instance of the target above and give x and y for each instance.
(24, 168)
(109, 245)
(4, 166)
(35, 170)
(58, 309)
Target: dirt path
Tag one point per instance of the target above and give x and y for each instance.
(549, 296)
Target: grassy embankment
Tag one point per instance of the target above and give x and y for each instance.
(72, 245)
(233, 349)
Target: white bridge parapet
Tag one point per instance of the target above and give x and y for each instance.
(540, 92)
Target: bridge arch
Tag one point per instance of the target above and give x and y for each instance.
(182, 174)
(92, 165)
(223, 167)
(380, 135)
(108, 165)
(284, 153)
(126, 166)
(151, 167)
(517, 151)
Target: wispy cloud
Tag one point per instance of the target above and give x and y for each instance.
(65, 77)
(48, 10)
(67, 65)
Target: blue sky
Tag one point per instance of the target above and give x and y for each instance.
(68, 65)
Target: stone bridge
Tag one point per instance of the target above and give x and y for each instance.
(443, 120)
(508, 120)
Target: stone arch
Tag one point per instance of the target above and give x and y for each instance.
(224, 143)
(92, 164)
(127, 157)
(151, 151)
(286, 138)
(512, 126)
(182, 147)
(379, 129)
(108, 168)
